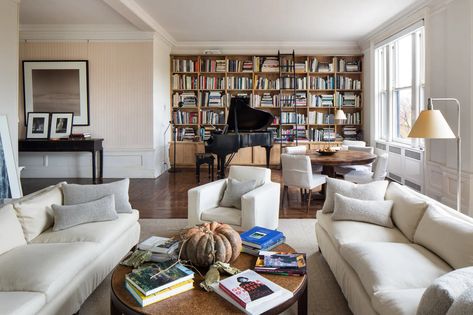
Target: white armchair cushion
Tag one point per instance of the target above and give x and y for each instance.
(202, 198)
(397, 302)
(11, 234)
(234, 191)
(230, 216)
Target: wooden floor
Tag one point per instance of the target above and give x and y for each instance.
(166, 196)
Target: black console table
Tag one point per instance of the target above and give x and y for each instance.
(68, 145)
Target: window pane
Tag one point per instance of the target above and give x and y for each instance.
(403, 112)
(404, 62)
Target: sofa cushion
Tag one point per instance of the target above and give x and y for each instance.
(21, 303)
(11, 233)
(371, 191)
(221, 214)
(75, 194)
(457, 248)
(407, 209)
(345, 232)
(34, 211)
(463, 305)
(441, 294)
(397, 302)
(45, 268)
(369, 211)
(393, 266)
(104, 233)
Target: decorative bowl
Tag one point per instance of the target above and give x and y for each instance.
(326, 153)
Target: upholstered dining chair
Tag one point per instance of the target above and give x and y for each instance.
(342, 170)
(302, 149)
(297, 172)
(258, 207)
(347, 143)
(380, 166)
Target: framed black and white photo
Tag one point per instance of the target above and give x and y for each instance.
(37, 125)
(10, 186)
(61, 125)
(57, 87)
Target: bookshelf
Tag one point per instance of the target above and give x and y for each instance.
(205, 84)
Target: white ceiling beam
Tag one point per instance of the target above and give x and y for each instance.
(138, 16)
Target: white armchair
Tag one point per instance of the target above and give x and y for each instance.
(258, 207)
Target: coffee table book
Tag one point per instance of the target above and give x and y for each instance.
(144, 300)
(160, 245)
(281, 263)
(260, 237)
(255, 251)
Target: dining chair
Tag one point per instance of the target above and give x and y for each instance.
(297, 172)
(302, 149)
(347, 143)
(342, 170)
(380, 166)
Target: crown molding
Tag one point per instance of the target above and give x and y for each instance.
(81, 32)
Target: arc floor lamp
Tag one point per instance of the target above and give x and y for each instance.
(432, 125)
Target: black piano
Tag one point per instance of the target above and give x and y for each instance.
(246, 127)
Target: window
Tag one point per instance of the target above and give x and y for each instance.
(399, 67)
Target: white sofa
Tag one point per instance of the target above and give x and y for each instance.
(55, 272)
(258, 207)
(386, 271)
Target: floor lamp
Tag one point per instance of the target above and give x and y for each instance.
(432, 125)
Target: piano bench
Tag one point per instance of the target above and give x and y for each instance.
(204, 158)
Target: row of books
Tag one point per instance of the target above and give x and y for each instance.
(349, 132)
(287, 65)
(321, 83)
(212, 65)
(184, 82)
(209, 82)
(292, 118)
(346, 83)
(181, 117)
(241, 83)
(266, 64)
(185, 134)
(353, 118)
(348, 66)
(211, 117)
(324, 134)
(240, 65)
(188, 99)
(318, 118)
(288, 83)
(264, 83)
(323, 100)
(348, 99)
(183, 65)
(213, 99)
(288, 100)
(266, 99)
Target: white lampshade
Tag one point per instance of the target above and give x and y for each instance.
(340, 115)
(431, 125)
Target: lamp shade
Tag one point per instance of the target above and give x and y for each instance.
(431, 125)
(340, 115)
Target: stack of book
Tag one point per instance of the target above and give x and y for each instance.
(259, 238)
(188, 99)
(270, 64)
(251, 293)
(288, 264)
(349, 132)
(213, 99)
(163, 248)
(158, 281)
(81, 135)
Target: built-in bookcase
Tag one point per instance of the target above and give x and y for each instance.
(205, 84)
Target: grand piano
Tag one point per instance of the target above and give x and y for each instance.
(246, 127)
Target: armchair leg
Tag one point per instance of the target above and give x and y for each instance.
(308, 200)
(286, 194)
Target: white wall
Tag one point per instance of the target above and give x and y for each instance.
(9, 67)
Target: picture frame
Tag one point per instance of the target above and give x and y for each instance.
(61, 125)
(37, 125)
(60, 86)
(10, 186)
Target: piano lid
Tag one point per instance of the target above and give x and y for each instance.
(243, 118)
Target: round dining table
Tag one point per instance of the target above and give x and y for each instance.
(340, 158)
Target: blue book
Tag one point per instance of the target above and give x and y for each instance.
(260, 237)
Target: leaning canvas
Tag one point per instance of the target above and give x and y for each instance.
(10, 186)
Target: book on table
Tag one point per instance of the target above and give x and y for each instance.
(281, 263)
(144, 300)
(158, 276)
(255, 251)
(259, 237)
(160, 245)
(251, 293)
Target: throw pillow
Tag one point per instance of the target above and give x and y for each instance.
(34, 211)
(463, 305)
(408, 209)
(76, 194)
(235, 189)
(371, 211)
(440, 295)
(102, 209)
(370, 191)
(11, 234)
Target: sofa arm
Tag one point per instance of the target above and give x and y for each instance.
(202, 198)
(261, 207)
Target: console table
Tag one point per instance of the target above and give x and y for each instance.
(68, 145)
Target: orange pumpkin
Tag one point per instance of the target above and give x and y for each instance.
(210, 242)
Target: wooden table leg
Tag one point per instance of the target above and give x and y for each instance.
(302, 302)
(101, 165)
(94, 168)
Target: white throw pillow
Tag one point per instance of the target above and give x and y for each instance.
(235, 189)
(442, 293)
(11, 233)
(463, 305)
(408, 209)
(370, 211)
(370, 191)
(449, 237)
(34, 211)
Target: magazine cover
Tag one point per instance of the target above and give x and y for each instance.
(159, 244)
(283, 260)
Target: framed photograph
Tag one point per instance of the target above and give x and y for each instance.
(37, 125)
(61, 125)
(57, 87)
(10, 186)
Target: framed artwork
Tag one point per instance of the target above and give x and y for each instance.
(57, 87)
(61, 125)
(10, 186)
(37, 125)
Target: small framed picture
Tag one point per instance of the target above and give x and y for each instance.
(37, 126)
(61, 125)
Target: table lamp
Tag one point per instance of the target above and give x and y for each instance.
(432, 125)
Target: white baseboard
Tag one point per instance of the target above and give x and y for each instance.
(118, 163)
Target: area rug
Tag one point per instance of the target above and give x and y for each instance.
(325, 297)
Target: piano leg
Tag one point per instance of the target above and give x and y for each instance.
(268, 155)
(221, 167)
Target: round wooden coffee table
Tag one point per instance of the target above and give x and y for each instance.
(198, 301)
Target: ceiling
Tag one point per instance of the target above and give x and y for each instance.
(226, 20)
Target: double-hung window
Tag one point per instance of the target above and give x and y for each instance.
(399, 67)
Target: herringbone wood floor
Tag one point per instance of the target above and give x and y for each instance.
(166, 196)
